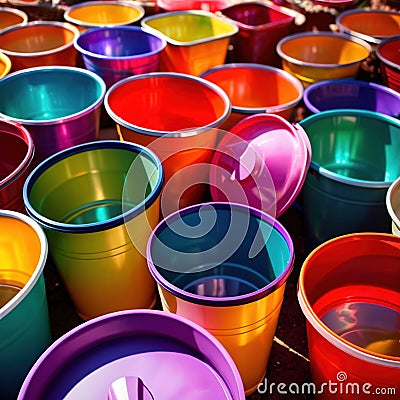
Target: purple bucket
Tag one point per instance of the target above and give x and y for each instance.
(351, 94)
(16, 154)
(118, 52)
(60, 106)
(261, 26)
(152, 354)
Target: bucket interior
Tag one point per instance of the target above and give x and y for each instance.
(36, 38)
(242, 85)
(20, 251)
(88, 187)
(9, 18)
(119, 42)
(219, 263)
(357, 145)
(352, 286)
(105, 13)
(190, 27)
(166, 103)
(48, 94)
(321, 49)
(388, 51)
(256, 15)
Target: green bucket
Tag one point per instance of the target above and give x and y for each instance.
(355, 158)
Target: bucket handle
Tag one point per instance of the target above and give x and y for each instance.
(129, 388)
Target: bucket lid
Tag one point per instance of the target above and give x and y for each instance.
(135, 354)
(266, 157)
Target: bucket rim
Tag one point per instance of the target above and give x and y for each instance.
(84, 330)
(113, 222)
(351, 112)
(38, 271)
(24, 163)
(328, 334)
(295, 82)
(231, 300)
(381, 57)
(64, 25)
(63, 69)
(88, 32)
(368, 38)
(200, 13)
(16, 11)
(395, 218)
(111, 3)
(331, 34)
(350, 81)
(170, 134)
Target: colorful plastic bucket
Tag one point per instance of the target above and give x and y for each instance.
(348, 290)
(225, 266)
(242, 83)
(175, 115)
(206, 5)
(91, 14)
(370, 25)
(261, 26)
(196, 40)
(354, 161)
(39, 43)
(389, 57)
(393, 205)
(11, 17)
(16, 155)
(60, 107)
(164, 355)
(115, 53)
(5, 65)
(79, 197)
(24, 319)
(262, 162)
(352, 93)
(317, 56)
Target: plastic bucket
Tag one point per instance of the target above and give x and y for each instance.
(11, 17)
(5, 65)
(348, 290)
(80, 198)
(393, 205)
(152, 354)
(118, 52)
(16, 155)
(196, 40)
(39, 43)
(242, 83)
(175, 115)
(24, 319)
(61, 106)
(370, 25)
(351, 93)
(206, 5)
(354, 161)
(225, 266)
(91, 14)
(317, 56)
(261, 26)
(389, 57)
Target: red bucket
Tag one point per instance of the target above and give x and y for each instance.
(349, 293)
(389, 55)
(16, 154)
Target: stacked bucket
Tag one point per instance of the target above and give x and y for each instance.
(224, 115)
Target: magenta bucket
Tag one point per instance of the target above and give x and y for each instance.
(139, 355)
(16, 155)
(261, 26)
(60, 106)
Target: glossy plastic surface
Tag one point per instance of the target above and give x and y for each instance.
(388, 54)
(5, 65)
(393, 205)
(12, 16)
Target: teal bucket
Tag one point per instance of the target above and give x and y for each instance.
(355, 158)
